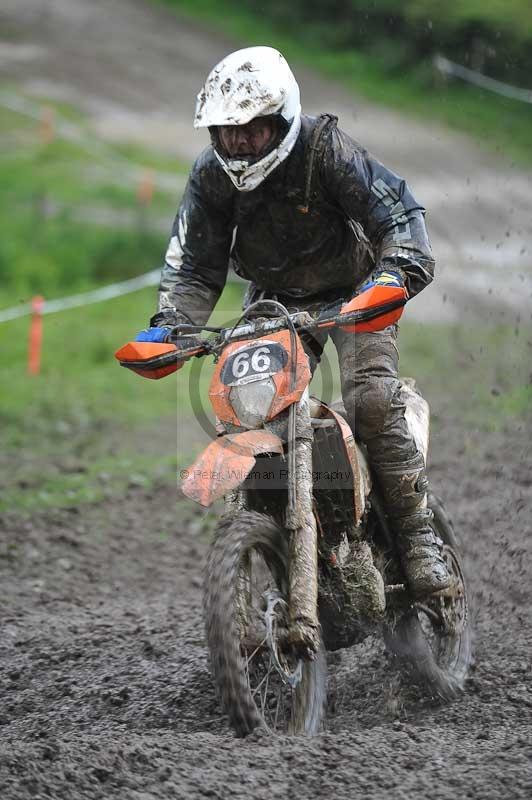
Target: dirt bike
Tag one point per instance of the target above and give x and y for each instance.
(303, 560)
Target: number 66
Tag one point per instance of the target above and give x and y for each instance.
(260, 362)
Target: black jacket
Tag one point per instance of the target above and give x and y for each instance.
(360, 216)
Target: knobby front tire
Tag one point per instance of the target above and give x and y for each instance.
(247, 571)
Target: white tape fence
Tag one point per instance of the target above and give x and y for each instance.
(119, 168)
(86, 298)
(447, 67)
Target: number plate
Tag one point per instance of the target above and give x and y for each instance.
(253, 363)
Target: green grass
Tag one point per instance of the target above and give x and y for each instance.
(87, 146)
(81, 387)
(84, 428)
(83, 416)
(479, 374)
(102, 477)
(49, 193)
(503, 125)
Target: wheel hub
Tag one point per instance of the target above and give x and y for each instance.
(275, 607)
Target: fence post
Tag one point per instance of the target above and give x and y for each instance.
(47, 125)
(145, 191)
(35, 336)
(146, 188)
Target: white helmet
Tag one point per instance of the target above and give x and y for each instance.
(254, 82)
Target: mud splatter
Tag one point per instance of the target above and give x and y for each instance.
(225, 88)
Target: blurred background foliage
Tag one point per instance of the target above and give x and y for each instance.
(65, 225)
(494, 37)
(70, 220)
(384, 50)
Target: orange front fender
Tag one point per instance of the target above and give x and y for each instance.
(226, 463)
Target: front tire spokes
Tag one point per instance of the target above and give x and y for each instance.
(270, 677)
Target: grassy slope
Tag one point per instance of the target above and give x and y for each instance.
(84, 428)
(83, 417)
(49, 196)
(502, 124)
(66, 433)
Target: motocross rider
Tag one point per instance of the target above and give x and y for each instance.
(309, 217)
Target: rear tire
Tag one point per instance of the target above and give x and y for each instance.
(247, 549)
(439, 653)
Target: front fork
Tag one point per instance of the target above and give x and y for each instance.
(303, 623)
(304, 626)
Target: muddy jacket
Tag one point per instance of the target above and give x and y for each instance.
(299, 235)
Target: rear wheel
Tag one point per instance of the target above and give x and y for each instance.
(434, 635)
(260, 680)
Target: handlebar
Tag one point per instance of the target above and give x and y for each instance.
(302, 321)
(260, 325)
(157, 360)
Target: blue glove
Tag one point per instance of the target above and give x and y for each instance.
(384, 277)
(153, 335)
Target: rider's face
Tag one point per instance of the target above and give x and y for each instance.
(248, 141)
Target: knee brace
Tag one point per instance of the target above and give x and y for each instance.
(368, 404)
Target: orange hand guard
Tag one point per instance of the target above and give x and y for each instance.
(375, 298)
(149, 359)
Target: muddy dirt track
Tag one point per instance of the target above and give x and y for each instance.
(104, 682)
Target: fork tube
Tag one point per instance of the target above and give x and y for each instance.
(234, 502)
(304, 625)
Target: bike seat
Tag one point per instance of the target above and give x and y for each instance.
(318, 412)
(338, 407)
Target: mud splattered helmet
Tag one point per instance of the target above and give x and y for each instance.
(250, 83)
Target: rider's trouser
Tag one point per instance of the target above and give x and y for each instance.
(371, 393)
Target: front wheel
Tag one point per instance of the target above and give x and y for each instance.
(260, 681)
(434, 635)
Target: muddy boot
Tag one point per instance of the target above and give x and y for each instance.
(420, 552)
(404, 487)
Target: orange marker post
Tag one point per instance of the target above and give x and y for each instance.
(35, 338)
(47, 125)
(146, 188)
